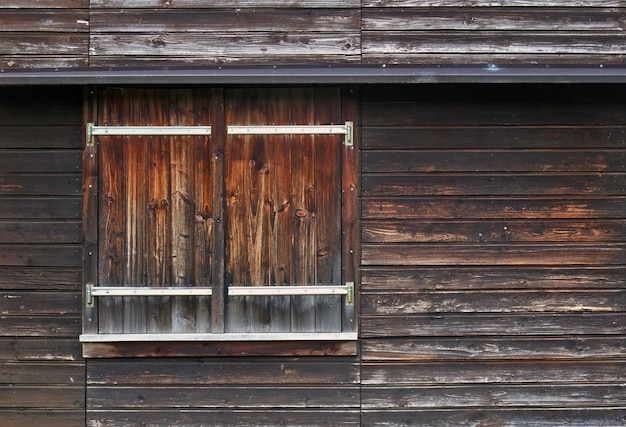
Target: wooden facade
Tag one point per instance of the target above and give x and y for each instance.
(484, 225)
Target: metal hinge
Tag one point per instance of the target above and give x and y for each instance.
(346, 129)
(92, 291)
(93, 130)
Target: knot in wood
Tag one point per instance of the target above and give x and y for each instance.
(302, 213)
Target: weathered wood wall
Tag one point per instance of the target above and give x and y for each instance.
(44, 33)
(41, 369)
(493, 255)
(488, 31)
(102, 33)
(222, 392)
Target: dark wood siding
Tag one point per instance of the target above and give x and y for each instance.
(216, 392)
(493, 255)
(41, 369)
(496, 32)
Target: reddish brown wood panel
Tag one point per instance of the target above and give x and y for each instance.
(155, 209)
(283, 209)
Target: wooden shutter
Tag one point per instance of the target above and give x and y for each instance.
(155, 219)
(283, 210)
(223, 212)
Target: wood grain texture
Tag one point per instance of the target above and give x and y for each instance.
(41, 369)
(487, 267)
(167, 4)
(603, 417)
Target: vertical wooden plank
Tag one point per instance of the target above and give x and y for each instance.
(303, 211)
(281, 226)
(182, 191)
(90, 215)
(328, 216)
(235, 176)
(111, 222)
(135, 171)
(158, 217)
(350, 196)
(203, 213)
(247, 187)
(218, 139)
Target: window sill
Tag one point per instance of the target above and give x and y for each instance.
(227, 344)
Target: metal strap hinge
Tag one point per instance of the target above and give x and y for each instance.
(346, 129)
(94, 130)
(235, 291)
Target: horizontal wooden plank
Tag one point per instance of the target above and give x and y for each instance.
(40, 232)
(482, 3)
(43, 417)
(225, 45)
(501, 396)
(48, 161)
(38, 349)
(502, 59)
(493, 254)
(39, 113)
(492, 231)
(210, 418)
(17, 62)
(492, 349)
(602, 417)
(42, 373)
(45, 4)
(491, 137)
(64, 20)
(65, 397)
(40, 256)
(493, 184)
(493, 18)
(518, 301)
(221, 348)
(545, 161)
(40, 278)
(472, 324)
(228, 372)
(398, 279)
(492, 42)
(31, 43)
(322, 396)
(47, 327)
(494, 208)
(34, 303)
(131, 4)
(530, 372)
(61, 184)
(255, 59)
(40, 137)
(489, 113)
(220, 20)
(40, 207)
